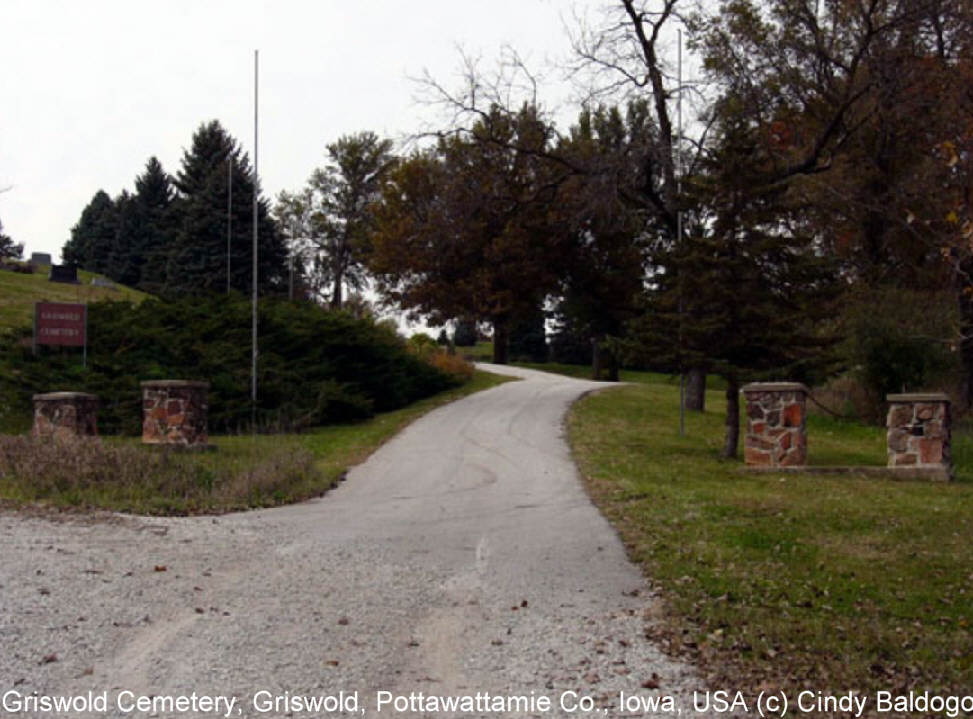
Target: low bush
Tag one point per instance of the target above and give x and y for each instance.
(456, 367)
(316, 366)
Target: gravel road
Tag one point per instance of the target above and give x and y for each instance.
(462, 558)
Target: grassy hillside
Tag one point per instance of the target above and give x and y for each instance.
(19, 292)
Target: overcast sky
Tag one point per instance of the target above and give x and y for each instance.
(90, 90)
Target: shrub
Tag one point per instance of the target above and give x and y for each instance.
(465, 334)
(900, 341)
(316, 366)
(456, 367)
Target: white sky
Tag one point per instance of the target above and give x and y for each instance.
(90, 90)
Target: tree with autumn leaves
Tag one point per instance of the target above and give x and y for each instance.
(823, 126)
(465, 229)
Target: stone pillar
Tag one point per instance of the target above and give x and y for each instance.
(175, 412)
(776, 424)
(919, 432)
(65, 414)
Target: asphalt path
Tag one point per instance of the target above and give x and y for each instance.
(462, 559)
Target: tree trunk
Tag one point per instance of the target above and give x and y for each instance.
(965, 349)
(336, 299)
(732, 417)
(595, 359)
(613, 367)
(501, 341)
(696, 389)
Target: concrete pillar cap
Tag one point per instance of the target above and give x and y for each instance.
(172, 383)
(775, 387)
(64, 395)
(918, 397)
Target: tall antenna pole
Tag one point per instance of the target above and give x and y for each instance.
(256, 191)
(678, 158)
(229, 215)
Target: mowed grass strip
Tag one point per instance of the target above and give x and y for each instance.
(244, 472)
(785, 581)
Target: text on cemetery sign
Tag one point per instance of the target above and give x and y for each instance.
(60, 323)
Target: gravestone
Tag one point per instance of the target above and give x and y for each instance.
(105, 283)
(40, 259)
(64, 273)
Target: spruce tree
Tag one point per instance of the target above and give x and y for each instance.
(153, 203)
(93, 237)
(198, 259)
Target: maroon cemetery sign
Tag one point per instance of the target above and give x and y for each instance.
(61, 323)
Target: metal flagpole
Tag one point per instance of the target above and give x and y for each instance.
(678, 158)
(229, 215)
(256, 190)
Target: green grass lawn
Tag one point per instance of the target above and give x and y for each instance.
(829, 582)
(19, 292)
(244, 472)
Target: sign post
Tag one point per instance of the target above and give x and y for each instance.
(61, 323)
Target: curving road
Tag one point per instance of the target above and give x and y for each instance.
(463, 557)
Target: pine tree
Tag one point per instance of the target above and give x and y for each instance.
(7, 247)
(198, 259)
(125, 258)
(747, 291)
(93, 237)
(605, 268)
(153, 201)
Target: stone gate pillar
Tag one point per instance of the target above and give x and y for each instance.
(776, 424)
(174, 411)
(65, 414)
(919, 433)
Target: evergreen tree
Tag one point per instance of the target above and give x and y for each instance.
(465, 333)
(528, 339)
(93, 237)
(153, 203)
(748, 290)
(198, 259)
(7, 247)
(605, 268)
(124, 260)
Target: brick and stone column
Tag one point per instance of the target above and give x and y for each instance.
(65, 414)
(919, 432)
(776, 424)
(175, 412)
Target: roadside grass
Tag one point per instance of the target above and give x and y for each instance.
(786, 581)
(19, 292)
(245, 472)
(480, 352)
